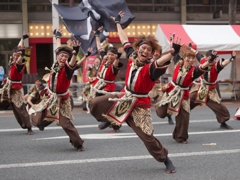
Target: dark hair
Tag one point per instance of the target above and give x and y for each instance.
(41, 87)
(38, 79)
(14, 50)
(112, 50)
(209, 52)
(66, 50)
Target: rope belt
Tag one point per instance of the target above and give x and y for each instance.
(203, 81)
(106, 81)
(54, 97)
(174, 93)
(128, 96)
(7, 87)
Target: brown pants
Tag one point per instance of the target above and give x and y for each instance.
(221, 112)
(65, 123)
(180, 132)
(100, 105)
(4, 105)
(22, 116)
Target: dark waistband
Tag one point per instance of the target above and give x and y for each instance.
(137, 93)
(180, 85)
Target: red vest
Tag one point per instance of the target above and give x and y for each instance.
(141, 82)
(14, 75)
(212, 75)
(60, 83)
(106, 72)
(182, 81)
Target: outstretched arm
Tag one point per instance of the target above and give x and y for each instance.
(58, 34)
(76, 46)
(116, 61)
(89, 52)
(227, 61)
(121, 33)
(209, 59)
(21, 52)
(29, 100)
(24, 36)
(98, 43)
(175, 47)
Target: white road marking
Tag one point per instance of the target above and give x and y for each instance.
(132, 135)
(124, 158)
(95, 125)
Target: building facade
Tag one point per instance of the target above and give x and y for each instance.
(35, 17)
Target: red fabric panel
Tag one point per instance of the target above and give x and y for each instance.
(179, 31)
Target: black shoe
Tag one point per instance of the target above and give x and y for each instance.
(30, 131)
(116, 128)
(80, 148)
(104, 125)
(225, 126)
(41, 128)
(169, 166)
(170, 121)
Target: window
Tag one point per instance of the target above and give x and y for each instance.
(207, 6)
(153, 5)
(146, 8)
(35, 7)
(10, 5)
(145, 1)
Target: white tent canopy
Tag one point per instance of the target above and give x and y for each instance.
(203, 37)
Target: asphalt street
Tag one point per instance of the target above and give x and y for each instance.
(211, 153)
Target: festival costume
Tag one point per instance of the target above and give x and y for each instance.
(12, 93)
(154, 93)
(105, 79)
(56, 104)
(93, 71)
(176, 101)
(134, 104)
(205, 92)
(85, 104)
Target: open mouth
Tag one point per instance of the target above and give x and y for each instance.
(143, 57)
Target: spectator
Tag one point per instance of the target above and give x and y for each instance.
(1, 75)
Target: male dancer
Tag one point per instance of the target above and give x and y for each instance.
(107, 73)
(56, 105)
(12, 89)
(205, 92)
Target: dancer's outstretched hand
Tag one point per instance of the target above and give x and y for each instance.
(175, 44)
(76, 46)
(89, 52)
(57, 33)
(118, 18)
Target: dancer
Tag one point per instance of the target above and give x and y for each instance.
(176, 98)
(35, 96)
(38, 83)
(93, 70)
(85, 94)
(134, 106)
(107, 73)
(205, 92)
(56, 106)
(12, 90)
(154, 93)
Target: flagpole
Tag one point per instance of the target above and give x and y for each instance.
(55, 24)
